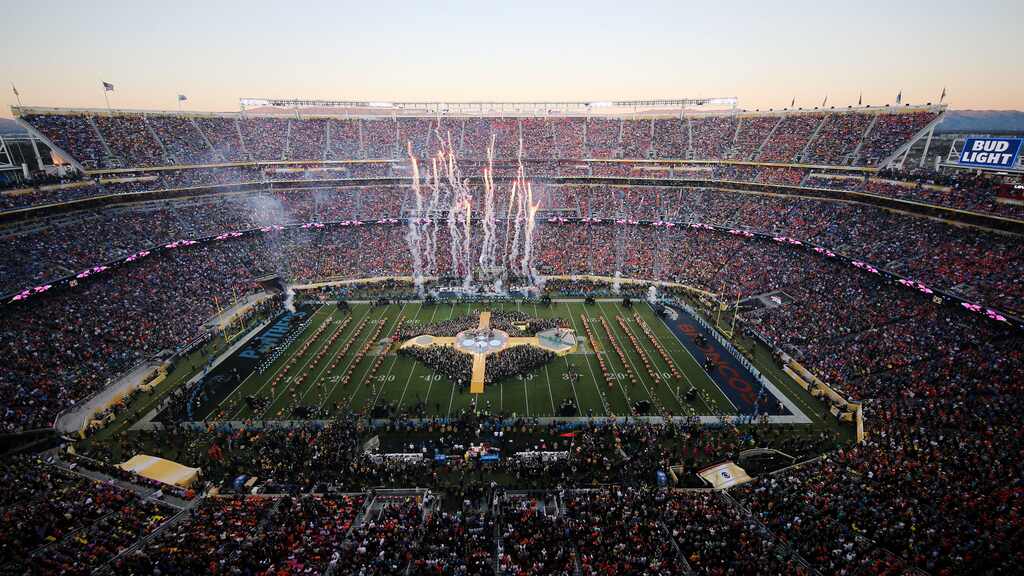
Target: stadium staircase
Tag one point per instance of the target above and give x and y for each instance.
(163, 150)
(362, 143)
(649, 152)
(270, 515)
(767, 138)
(689, 138)
(326, 150)
(805, 178)
(735, 137)
(462, 135)
(780, 544)
(618, 145)
(814, 137)
(106, 147)
(398, 138)
(241, 141)
(519, 128)
(904, 148)
(430, 136)
(214, 153)
(687, 569)
(357, 521)
(287, 141)
(585, 124)
(864, 138)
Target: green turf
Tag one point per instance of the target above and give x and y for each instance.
(406, 382)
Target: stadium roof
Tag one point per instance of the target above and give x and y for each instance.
(483, 107)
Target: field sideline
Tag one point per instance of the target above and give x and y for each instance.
(340, 335)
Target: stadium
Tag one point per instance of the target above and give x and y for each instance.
(662, 336)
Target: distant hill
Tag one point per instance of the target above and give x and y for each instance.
(982, 121)
(8, 126)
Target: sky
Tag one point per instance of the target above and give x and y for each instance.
(764, 53)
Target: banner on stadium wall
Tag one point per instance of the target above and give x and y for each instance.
(990, 152)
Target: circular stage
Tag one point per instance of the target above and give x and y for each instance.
(481, 341)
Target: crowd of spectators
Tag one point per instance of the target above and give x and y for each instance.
(455, 543)
(925, 487)
(619, 531)
(516, 360)
(136, 140)
(980, 265)
(130, 140)
(931, 487)
(534, 540)
(837, 139)
(925, 490)
(455, 365)
(751, 135)
(182, 140)
(791, 137)
(715, 537)
(55, 521)
(249, 535)
(889, 132)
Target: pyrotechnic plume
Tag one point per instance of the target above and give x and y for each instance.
(450, 194)
(487, 223)
(414, 234)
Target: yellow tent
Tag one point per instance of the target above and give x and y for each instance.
(161, 470)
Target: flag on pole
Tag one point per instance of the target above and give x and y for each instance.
(825, 101)
(15, 90)
(793, 103)
(182, 98)
(860, 99)
(899, 97)
(943, 96)
(108, 87)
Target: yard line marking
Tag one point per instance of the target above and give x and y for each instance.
(430, 383)
(355, 340)
(625, 352)
(292, 355)
(387, 335)
(305, 365)
(614, 338)
(679, 343)
(451, 401)
(392, 367)
(326, 366)
(654, 358)
(311, 384)
(526, 394)
(547, 373)
(593, 375)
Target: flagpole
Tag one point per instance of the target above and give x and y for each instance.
(107, 100)
(16, 94)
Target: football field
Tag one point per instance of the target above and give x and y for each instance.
(347, 360)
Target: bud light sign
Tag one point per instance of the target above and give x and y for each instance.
(990, 152)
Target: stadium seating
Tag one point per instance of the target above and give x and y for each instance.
(130, 140)
(934, 487)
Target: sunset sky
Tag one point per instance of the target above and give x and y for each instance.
(765, 53)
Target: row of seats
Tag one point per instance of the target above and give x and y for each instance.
(131, 140)
(979, 265)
